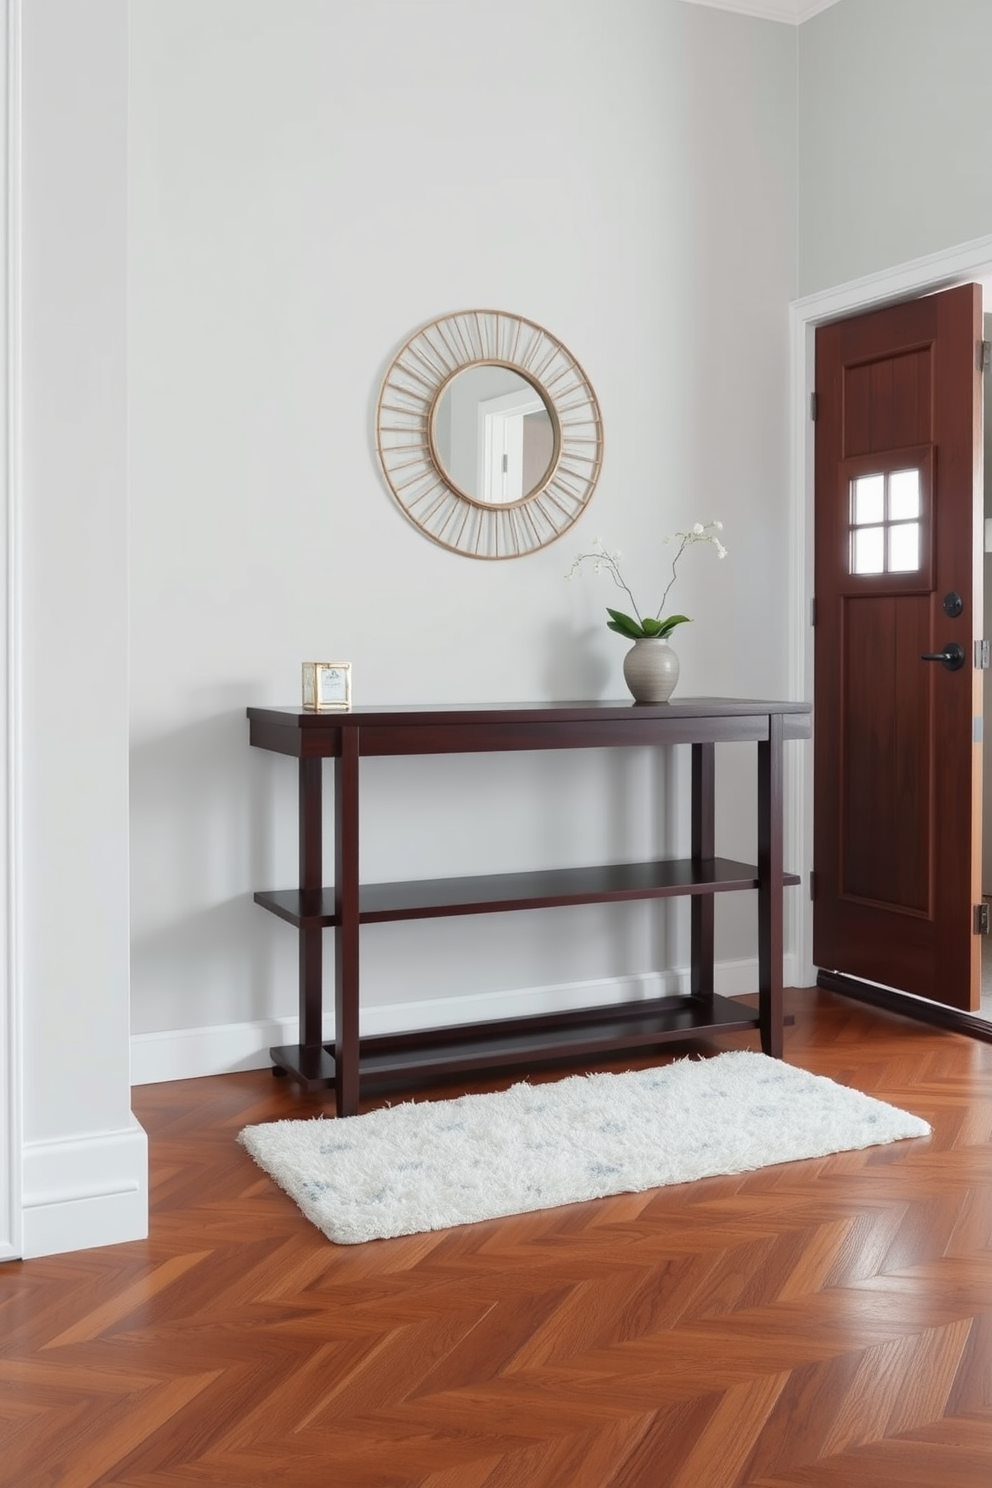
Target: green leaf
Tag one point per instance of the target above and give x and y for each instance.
(624, 624)
(667, 626)
(622, 619)
(653, 627)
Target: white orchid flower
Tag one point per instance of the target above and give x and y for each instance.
(654, 626)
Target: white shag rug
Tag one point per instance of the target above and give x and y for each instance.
(432, 1164)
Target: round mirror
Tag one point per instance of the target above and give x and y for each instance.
(493, 435)
(489, 434)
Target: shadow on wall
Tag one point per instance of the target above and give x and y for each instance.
(213, 820)
(204, 823)
(574, 665)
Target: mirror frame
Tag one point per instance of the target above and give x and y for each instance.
(407, 408)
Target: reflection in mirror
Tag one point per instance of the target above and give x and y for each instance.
(493, 436)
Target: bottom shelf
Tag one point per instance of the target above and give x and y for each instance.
(391, 1059)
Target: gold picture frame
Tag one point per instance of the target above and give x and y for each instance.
(327, 686)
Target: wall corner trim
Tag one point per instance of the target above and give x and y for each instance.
(11, 996)
(81, 1192)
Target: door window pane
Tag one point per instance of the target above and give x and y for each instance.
(869, 501)
(869, 550)
(904, 495)
(904, 547)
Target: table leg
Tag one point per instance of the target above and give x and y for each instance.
(770, 890)
(346, 935)
(311, 941)
(703, 846)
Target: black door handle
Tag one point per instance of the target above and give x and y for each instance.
(952, 656)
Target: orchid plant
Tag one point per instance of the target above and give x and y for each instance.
(658, 626)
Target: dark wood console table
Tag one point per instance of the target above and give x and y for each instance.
(350, 1063)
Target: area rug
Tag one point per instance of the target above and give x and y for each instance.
(432, 1164)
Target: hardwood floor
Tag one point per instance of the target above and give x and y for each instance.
(821, 1323)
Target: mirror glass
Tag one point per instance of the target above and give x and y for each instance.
(493, 435)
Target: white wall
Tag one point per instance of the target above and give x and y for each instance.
(628, 180)
(84, 1157)
(895, 134)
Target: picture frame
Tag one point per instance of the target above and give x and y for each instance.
(327, 686)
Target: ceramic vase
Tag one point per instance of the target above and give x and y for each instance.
(651, 670)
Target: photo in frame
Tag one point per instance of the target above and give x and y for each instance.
(327, 686)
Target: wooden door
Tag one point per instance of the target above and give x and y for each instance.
(897, 762)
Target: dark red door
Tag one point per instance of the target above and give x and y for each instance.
(897, 764)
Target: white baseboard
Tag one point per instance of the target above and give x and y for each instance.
(188, 1053)
(85, 1191)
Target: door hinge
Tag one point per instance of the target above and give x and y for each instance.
(814, 407)
(981, 656)
(812, 883)
(812, 611)
(984, 356)
(983, 921)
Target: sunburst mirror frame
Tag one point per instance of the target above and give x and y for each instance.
(405, 418)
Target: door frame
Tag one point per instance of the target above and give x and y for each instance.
(958, 265)
(493, 416)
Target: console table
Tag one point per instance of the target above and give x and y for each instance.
(352, 1064)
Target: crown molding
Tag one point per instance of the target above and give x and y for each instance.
(793, 12)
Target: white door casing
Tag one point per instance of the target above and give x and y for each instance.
(500, 439)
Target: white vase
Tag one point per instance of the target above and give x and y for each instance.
(651, 670)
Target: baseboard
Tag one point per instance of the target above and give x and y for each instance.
(188, 1053)
(85, 1191)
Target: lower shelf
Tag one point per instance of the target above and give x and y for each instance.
(404, 1058)
(488, 893)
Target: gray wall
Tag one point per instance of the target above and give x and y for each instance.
(895, 134)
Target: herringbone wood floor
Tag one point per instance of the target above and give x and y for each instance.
(816, 1324)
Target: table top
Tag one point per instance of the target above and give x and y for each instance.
(461, 728)
(536, 712)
